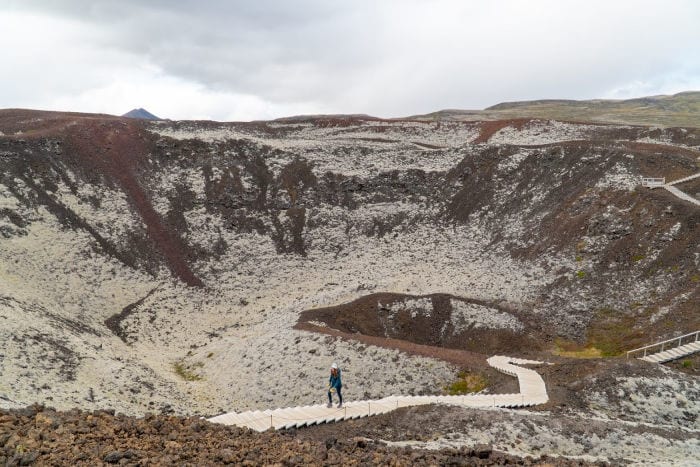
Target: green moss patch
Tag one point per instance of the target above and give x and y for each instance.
(573, 350)
(466, 383)
(613, 332)
(185, 373)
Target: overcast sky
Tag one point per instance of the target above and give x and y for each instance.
(260, 59)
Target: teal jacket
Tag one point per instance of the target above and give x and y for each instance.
(334, 381)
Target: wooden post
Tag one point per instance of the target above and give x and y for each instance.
(271, 424)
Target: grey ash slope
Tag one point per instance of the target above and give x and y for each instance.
(103, 222)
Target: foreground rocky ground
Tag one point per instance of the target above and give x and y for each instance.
(41, 436)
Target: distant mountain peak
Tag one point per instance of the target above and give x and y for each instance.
(141, 113)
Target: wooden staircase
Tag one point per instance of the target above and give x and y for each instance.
(668, 350)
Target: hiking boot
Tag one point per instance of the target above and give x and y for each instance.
(340, 404)
(329, 405)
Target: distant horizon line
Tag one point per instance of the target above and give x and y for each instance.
(465, 111)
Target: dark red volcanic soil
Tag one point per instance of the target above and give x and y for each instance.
(38, 123)
(365, 316)
(489, 128)
(426, 336)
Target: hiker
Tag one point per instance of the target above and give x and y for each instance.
(335, 385)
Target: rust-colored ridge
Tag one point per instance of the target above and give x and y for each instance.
(116, 148)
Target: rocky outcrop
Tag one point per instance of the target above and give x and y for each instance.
(36, 435)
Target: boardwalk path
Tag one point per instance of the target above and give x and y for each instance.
(532, 392)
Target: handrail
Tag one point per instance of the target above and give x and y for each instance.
(662, 343)
(653, 182)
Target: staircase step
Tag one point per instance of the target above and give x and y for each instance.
(672, 353)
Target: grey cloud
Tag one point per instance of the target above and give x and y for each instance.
(398, 57)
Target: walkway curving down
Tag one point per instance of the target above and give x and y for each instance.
(661, 183)
(532, 392)
(682, 195)
(674, 349)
